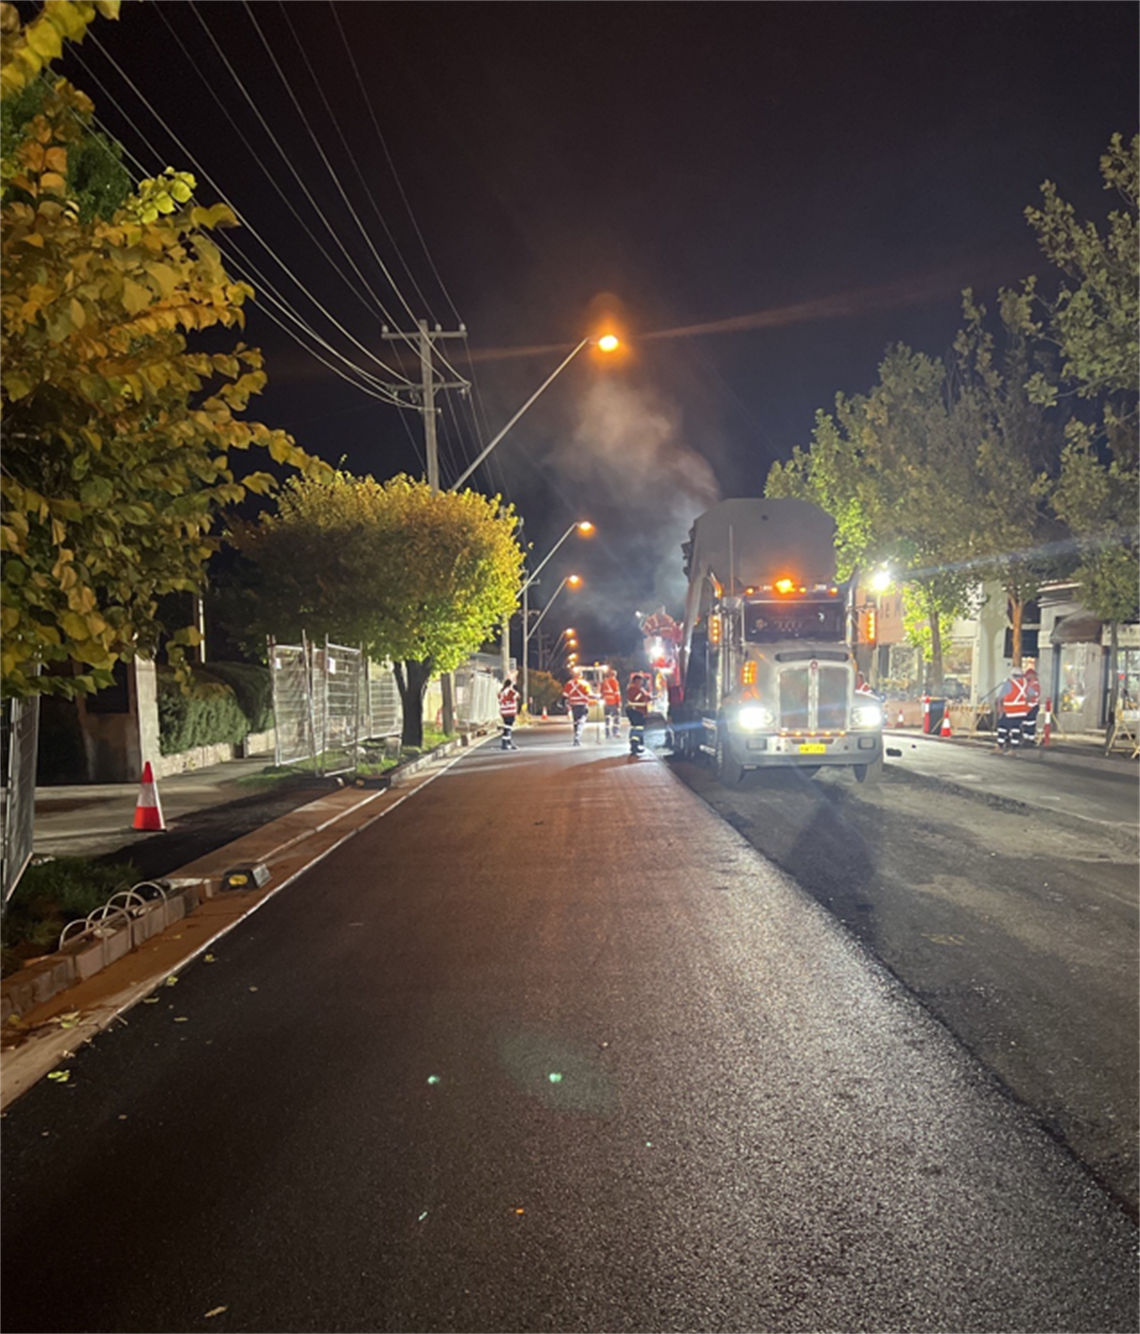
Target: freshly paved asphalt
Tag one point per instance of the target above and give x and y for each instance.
(549, 1047)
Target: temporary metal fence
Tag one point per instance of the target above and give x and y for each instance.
(292, 717)
(476, 697)
(20, 736)
(338, 675)
(327, 701)
(383, 710)
(317, 697)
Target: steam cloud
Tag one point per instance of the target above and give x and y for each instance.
(627, 454)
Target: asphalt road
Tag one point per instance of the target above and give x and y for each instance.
(1010, 916)
(550, 1047)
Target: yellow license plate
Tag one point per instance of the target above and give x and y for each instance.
(813, 750)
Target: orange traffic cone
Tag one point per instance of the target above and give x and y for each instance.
(944, 730)
(900, 722)
(148, 812)
(544, 713)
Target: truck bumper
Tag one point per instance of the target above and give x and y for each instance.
(759, 751)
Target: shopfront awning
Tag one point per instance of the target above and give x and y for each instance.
(1076, 628)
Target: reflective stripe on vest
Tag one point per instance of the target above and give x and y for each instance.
(1016, 699)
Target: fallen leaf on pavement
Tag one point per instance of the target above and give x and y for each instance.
(170, 981)
(60, 1076)
(216, 1311)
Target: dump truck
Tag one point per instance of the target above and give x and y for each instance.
(766, 670)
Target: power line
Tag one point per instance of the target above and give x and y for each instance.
(245, 221)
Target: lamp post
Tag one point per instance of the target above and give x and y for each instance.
(584, 528)
(607, 343)
(556, 648)
(528, 630)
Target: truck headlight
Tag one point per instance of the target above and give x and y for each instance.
(754, 718)
(867, 715)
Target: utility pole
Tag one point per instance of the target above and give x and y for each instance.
(426, 340)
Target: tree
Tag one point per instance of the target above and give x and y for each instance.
(117, 437)
(1015, 445)
(1093, 322)
(413, 575)
(887, 468)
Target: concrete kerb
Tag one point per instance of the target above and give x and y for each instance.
(67, 1011)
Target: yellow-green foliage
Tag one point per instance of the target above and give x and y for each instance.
(117, 436)
(411, 574)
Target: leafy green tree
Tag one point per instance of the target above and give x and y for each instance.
(886, 466)
(415, 576)
(545, 690)
(1093, 322)
(1015, 444)
(118, 438)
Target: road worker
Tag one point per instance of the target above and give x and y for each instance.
(508, 713)
(611, 703)
(1013, 699)
(637, 702)
(1033, 692)
(577, 696)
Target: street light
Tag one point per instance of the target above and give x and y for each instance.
(607, 343)
(574, 581)
(583, 527)
(558, 647)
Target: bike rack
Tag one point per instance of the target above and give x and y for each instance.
(120, 909)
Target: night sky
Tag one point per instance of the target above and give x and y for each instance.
(762, 196)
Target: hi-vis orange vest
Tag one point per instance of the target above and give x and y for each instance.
(1015, 701)
(577, 691)
(508, 702)
(611, 691)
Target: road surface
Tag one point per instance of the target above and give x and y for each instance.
(549, 1047)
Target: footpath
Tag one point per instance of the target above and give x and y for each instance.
(55, 1005)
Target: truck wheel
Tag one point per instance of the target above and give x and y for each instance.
(869, 773)
(728, 772)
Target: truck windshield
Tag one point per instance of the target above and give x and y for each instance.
(772, 622)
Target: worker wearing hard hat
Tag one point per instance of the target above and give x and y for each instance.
(577, 695)
(1013, 697)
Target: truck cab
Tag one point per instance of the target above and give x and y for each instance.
(768, 673)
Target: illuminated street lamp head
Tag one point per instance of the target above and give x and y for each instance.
(574, 580)
(881, 580)
(609, 342)
(585, 527)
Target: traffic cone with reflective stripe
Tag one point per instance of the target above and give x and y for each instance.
(944, 730)
(148, 812)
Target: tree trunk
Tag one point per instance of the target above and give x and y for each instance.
(447, 691)
(412, 679)
(934, 620)
(1016, 616)
(1113, 687)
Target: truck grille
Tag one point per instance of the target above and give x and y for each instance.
(813, 701)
